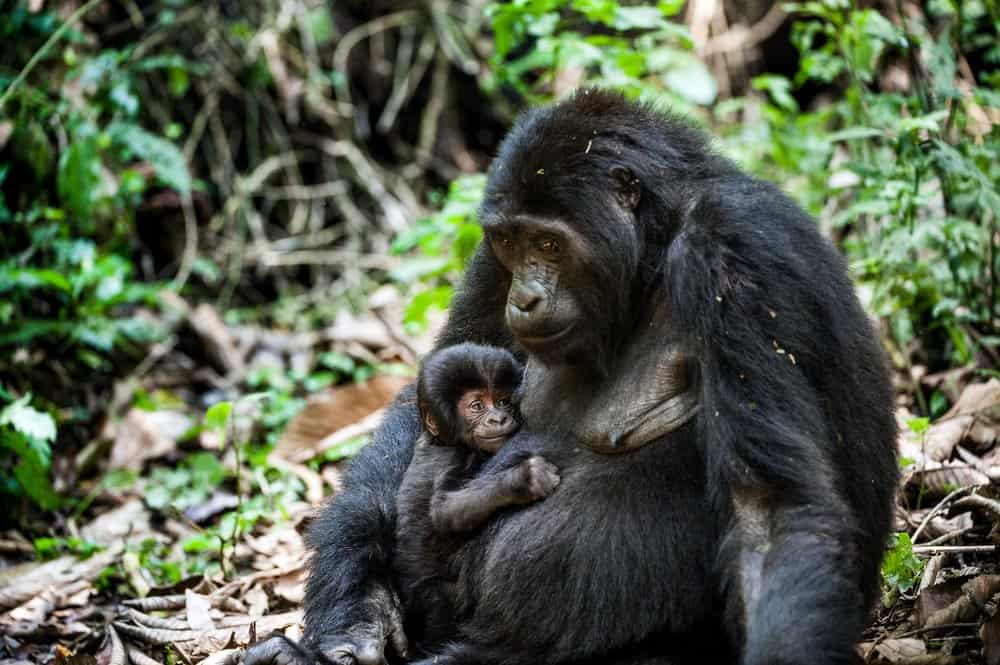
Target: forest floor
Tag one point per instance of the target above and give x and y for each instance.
(190, 546)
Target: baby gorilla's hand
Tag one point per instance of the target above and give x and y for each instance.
(537, 478)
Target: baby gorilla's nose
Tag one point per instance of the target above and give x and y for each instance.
(498, 418)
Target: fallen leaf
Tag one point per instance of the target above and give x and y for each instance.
(129, 519)
(145, 435)
(968, 604)
(331, 411)
(989, 633)
(198, 609)
(899, 650)
(256, 600)
(944, 435)
(936, 483)
(982, 399)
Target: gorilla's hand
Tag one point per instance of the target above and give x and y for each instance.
(365, 644)
(361, 644)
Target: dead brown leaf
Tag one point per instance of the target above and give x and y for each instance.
(936, 483)
(130, 519)
(145, 435)
(910, 651)
(198, 610)
(981, 399)
(333, 410)
(947, 607)
(257, 601)
(944, 435)
(899, 650)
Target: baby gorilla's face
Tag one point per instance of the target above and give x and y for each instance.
(488, 419)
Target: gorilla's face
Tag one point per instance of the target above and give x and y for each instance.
(544, 308)
(564, 221)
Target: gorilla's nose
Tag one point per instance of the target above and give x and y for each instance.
(525, 300)
(498, 419)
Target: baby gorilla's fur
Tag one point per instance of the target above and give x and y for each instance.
(465, 395)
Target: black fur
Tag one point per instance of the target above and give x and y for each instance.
(757, 528)
(442, 498)
(447, 374)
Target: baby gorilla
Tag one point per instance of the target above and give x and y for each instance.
(466, 395)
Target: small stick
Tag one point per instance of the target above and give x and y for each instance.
(937, 509)
(960, 549)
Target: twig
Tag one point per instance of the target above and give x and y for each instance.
(991, 506)
(352, 38)
(934, 549)
(951, 535)
(42, 52)
(445, 30)
(190, 253)
(432, 112)
(937, 509)
(324, 190)
(307, 257)
(368, 177)
(740, 38)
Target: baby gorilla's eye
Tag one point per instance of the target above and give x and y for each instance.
(502, 241)
(476, 406)
(549, 246)
(504, 402)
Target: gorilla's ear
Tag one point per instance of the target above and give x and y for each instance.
(431, 426)
(627, 187)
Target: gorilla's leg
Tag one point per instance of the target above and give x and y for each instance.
(352, 611)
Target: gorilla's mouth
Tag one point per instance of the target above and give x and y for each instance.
(545, 339)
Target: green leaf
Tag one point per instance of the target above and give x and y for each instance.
(346, 449)
(691, 80)
(32, 469)
(918, 425)
(29, 278)
(29, 421)
(778, 87)
(217, 416)
(166, 159)
(79, 176)
(901, 568)
(319, 22)
(416, 311)
(638, 18)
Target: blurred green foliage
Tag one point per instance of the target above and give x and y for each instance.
(905, 176)
(76, 160)
(445, 241)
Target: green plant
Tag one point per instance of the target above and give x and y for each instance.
(901, 568)
(906, 176)
(606, 42)
(27, 434)
(446, 240)
(76, 158)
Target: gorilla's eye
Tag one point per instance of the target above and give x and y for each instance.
(504, 402)
(502, 241)
(476, 406)
(549, 247)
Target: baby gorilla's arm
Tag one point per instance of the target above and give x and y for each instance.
(469, 507)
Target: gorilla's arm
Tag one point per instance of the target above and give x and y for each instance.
(350, 604)
(351, 608)
(782, 344)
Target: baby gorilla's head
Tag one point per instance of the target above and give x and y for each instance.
(466, 396)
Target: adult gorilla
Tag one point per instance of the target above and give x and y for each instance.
(691, 318)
